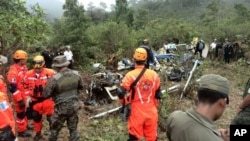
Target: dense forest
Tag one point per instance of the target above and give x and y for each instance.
(94, 32)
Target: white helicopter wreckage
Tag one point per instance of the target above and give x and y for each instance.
(102, 88)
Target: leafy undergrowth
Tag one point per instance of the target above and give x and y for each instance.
(112, 128)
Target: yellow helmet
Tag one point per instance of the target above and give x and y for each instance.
(38, 62)
(20, 54)
(140, 54)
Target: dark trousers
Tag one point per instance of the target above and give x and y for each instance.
(200, 52)
(227, 58)
(71, 64)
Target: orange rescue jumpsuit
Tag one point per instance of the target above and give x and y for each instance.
(143, 118)
(34, 84)
(3, 87)
(15, 75)
(6, 114)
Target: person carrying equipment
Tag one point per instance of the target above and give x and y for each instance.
(144, 87)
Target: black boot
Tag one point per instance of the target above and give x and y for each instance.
(30, 127)
(24, 134)
(132, 138)
(38, 136)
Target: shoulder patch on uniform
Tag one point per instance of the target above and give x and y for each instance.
(4, 105)
(57, 76)
(75, 72)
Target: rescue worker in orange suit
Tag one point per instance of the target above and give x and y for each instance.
(15, 85)
(3, 86)
(34, 82)
(7, 122)
(143, 118)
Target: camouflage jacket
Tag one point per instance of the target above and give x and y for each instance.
(63, 86)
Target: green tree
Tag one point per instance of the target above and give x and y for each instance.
(211, 14)
(112, 37)
(123, 13)
(96, 14)
(70, 30)
(75, 22)
(242, 13)
(20, 28)
(141, 18)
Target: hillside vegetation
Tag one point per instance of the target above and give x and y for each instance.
(91, 30)
(95, 33)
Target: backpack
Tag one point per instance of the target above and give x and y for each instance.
(201, 46)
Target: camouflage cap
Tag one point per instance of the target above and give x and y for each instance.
(60, 61)
(146, 41)
(214, 82)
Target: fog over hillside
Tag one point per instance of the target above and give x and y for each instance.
(53, 8)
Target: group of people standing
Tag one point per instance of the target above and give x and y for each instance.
(226, 48)
(36, 92)
(196, 124)
(61, 50)
(214, 47)
(56, 92)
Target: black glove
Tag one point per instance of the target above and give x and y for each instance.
(21, 104)
(121, 92)
(12, 87)
(6, 134)
(158, 94)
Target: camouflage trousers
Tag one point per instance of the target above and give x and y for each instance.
(243, 118)
(57, 122)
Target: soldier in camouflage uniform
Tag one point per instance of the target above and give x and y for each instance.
(64, 89)
(243, 111)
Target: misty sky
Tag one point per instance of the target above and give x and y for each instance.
(95, 2)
